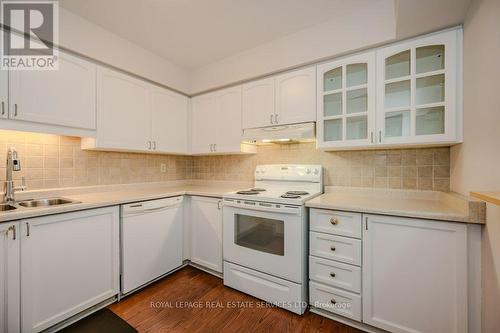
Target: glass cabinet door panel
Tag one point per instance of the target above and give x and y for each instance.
(397, 123)
(397, 65)
(356, 74)
(430, 89)
(332, 80)
(430, 121)
(333, 130)
(357, 101)
(356, 128)
(332, 104)
(397, 94)
(430, 58)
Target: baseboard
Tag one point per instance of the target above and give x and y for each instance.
(346, 321)
(207, 270)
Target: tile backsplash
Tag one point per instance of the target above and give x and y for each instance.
(424, 169)
(50, 161)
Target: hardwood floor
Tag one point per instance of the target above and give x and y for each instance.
(178, 303)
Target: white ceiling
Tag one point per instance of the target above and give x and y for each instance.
(194, 33)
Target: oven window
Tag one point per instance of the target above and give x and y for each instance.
(261, 234)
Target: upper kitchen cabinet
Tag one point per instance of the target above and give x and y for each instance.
(216, 123)
(419, 91)
(346, 102)
(4, 94)
(169, 121)
(134, 115)
(279, 100)
(258, 103)
(59, 101)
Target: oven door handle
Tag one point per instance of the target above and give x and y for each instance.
(284, 209)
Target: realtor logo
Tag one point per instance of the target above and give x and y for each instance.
(30, 29)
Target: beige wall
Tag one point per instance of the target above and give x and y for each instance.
(424, 169)
(475, 164)
(50, 161)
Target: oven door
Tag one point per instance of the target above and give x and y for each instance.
(265, 237)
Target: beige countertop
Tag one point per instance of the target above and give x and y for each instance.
(418, 204)
(488, 196)
(102, 196)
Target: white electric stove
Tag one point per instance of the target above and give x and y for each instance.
(265, 234)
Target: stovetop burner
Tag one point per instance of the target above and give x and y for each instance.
(290, 196)
(258, 189)
(297, 193)
(247, 192)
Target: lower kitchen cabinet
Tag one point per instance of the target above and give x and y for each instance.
(206, 232)
(69, 262)
(415, 275)
(9, 278)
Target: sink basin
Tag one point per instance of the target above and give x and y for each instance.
(46, 202)
(6, 207)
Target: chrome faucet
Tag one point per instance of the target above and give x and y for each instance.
(13, 164)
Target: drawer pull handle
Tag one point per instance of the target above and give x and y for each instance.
(334, 221)
(333, 301)
(332, 248)
(332, 275)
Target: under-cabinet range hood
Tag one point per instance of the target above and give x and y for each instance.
(281, 134)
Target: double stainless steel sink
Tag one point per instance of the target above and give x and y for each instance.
(36, 203)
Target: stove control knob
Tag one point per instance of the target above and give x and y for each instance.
(308, 171)
(316, 171)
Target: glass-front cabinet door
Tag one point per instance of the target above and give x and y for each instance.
(417, 91)
(346, 102)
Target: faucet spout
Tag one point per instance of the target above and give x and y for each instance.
(13, 164)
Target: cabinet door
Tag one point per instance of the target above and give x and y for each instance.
(65, 97)
(123, 109)
(228, 121)
(10, 318)
(169, 121)
(296, 96)
(203, 122)
(417, 99)
(346, 102)
(4, 103)
(414, 275)
(206, 232)
(69, 262)
(258, 103)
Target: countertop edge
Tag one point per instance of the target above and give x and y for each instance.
(490, 197)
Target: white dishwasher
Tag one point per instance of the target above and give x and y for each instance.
(151, 240)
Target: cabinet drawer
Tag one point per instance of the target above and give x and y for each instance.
(338, 248)
(335, 274)
(336, 222)
(335, 300)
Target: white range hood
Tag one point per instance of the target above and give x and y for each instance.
(284, 133)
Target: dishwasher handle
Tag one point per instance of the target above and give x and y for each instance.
(151, 206)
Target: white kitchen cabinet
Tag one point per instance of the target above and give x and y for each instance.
(216, 123)
(415, 275)
(69, 262)
(279, 100)
(10, 317)
(64, 98)
(419, 96)
(4, 94)
(169, 121)
(296, 96)
(206, 232)
(346, 102)
(203, 123)
(258, 103)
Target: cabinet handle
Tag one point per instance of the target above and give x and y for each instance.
(333, 248)
(271, 119)
(215, 147)
(380, 136)
(334, 221)
(154, 145)
(3, 108)
(27, 229)
(219, 205)
(211, 147)
(332, 275)
(333, 301)
(15, 110)
(372, 136)
(149, 145)
(275, 118)
(13, 228)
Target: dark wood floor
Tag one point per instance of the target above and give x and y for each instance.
(178, 303)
